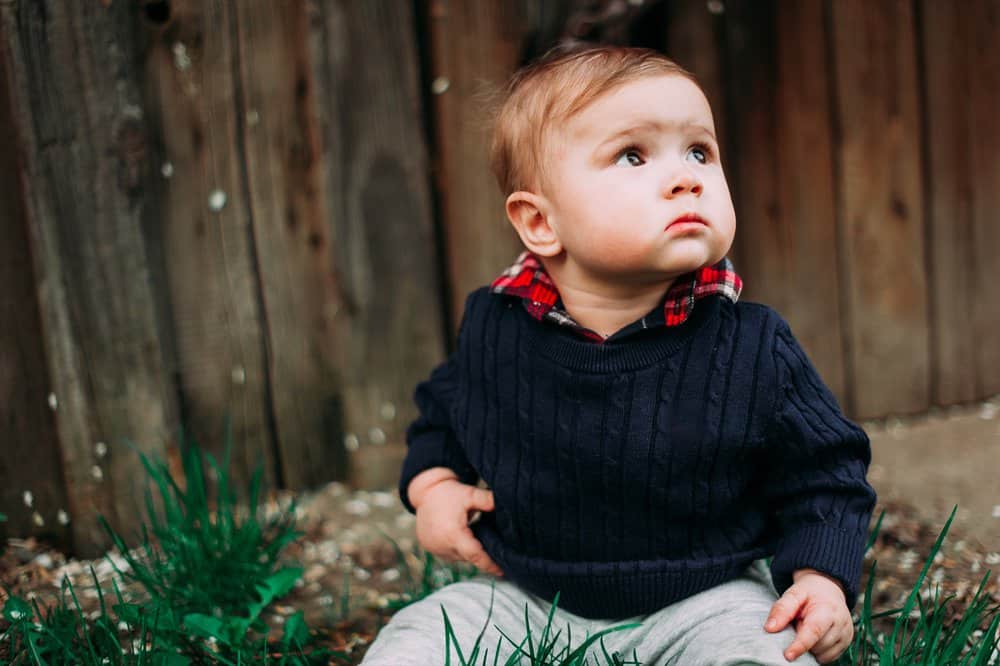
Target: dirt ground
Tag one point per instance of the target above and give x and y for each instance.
(359, 555)
(941, 459)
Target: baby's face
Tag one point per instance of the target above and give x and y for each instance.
(637, 192)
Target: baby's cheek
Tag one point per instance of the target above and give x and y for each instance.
(620, 252)
(724, 215)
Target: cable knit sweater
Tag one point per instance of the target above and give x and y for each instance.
(628, 476)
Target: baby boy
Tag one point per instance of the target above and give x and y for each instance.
(646, 439)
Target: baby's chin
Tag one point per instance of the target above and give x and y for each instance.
(688, 262)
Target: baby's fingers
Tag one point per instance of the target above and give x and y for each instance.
(834, 643)
(479, 499)
(808, 633)
(472, 551)
(830, 655)
(785, 609)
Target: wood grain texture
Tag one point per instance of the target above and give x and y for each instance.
(779, 117)
(84, 144)
(377, 193)
(694, 40)
(219, 337)
(983, 20)
(475, 48)
(881, 205)
(30, 461)
(950, 187)
(280, 140)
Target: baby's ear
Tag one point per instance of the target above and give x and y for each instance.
(529, 213)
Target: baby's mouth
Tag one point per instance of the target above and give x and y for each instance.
(687, 219)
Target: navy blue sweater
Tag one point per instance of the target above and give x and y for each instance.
(632, 474)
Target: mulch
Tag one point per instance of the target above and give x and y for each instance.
(359, 557)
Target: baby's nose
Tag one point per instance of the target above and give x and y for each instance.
(683, 182)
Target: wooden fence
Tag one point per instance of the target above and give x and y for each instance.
(272, 211)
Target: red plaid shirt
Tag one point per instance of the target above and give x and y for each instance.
(528, 279)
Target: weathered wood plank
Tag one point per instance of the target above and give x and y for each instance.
(29, 461)
(881, 208)
(375, 163)
(79, 117)
(280, 137)
(694, 40)
(783, 182)
(752, 122)
(204, 225)
(475, 47)
(983, 29)
(807, 239)
(950, 190)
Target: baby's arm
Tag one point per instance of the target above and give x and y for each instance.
(444, 505)
(438, 482)
(816, 488)
(814, 483)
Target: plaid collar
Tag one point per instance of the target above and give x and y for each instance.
(528, 279)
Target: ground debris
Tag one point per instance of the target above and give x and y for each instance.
(347, 607)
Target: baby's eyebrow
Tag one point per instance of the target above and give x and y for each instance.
(659, 126)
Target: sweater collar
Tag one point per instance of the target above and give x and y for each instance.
(528, 280)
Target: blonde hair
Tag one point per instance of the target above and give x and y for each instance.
(551, 90)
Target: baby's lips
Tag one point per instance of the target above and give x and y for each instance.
(687, 217)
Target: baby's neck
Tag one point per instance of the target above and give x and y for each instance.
(606, 309)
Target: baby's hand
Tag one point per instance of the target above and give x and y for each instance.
(443, 511)
(825, 627)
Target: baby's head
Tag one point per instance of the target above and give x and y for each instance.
(543, 95)
(599, 151)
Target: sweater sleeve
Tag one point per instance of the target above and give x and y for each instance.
(430, 438)
(816, 467)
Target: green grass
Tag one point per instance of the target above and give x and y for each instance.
(207, 567)
(62, 634)
(918, 635)
(542, 649)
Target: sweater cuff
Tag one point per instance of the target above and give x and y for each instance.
(432, 450)
(834, 551)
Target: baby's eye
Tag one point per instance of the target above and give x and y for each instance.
(629, 157)
(700, 154)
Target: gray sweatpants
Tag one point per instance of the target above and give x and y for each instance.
(722, 625)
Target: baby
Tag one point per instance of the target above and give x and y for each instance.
(646, 439)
